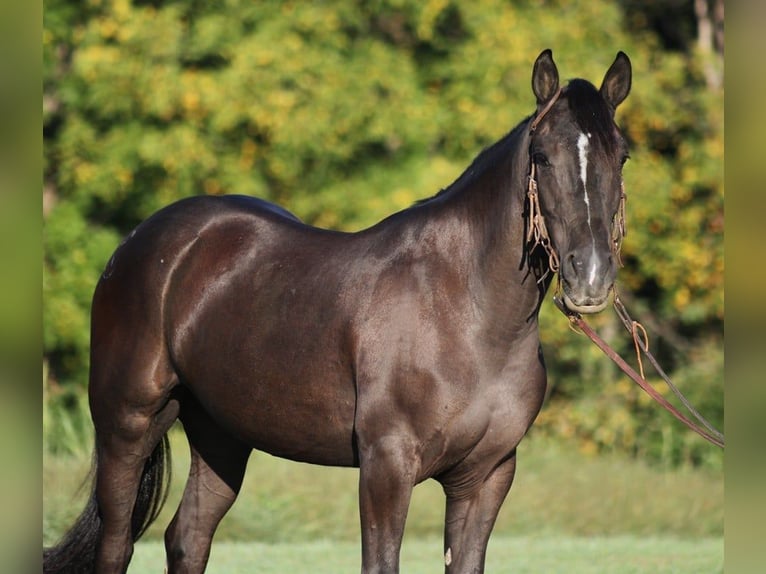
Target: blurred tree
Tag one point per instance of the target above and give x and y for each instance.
(346, 111)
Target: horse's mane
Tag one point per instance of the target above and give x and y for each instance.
(486, 159)
(590, 112)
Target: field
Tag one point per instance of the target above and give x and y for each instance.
(566, 512)
(524, 555)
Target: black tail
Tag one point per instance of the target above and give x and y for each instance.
(76, 551)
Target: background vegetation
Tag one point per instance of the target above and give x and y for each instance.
(346, 111)
(567, 512)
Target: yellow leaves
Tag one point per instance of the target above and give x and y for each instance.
(588, 447)
(247, 154)
(644, 400)
(78, 256)
(198, 94)
(403, 197)
(84, 173)
(428, 16)
(91, 61)
(117, 23)
(283, 101)
(623, 387)
(212, 187)
(682, 297)
(124, 176)
(108, 28)
(265, 58)
(714, 147)
(466, 106)
(599, 422)
(190, 102)
(122, 9)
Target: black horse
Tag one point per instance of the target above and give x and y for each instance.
(409, 349)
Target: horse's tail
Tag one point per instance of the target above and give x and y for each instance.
(76, 551)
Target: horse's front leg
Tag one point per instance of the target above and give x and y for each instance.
(386, 479)
(470, 517)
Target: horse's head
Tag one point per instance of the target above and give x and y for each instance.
(576, 199)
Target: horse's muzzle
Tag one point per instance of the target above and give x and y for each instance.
(587, 277)
(586, 308)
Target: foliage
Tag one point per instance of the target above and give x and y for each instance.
(346, 111)
(67, 428)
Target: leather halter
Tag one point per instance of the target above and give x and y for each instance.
(537, 231)
(539, 117)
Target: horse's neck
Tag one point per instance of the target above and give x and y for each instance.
(508, 294)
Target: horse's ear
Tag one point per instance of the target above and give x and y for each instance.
(616, 85)
(545, 78)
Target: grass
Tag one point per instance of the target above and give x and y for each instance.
(557, 492)
(566, 513)
(524, 555)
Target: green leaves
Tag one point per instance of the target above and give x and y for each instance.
(75, 254)
(347, 111)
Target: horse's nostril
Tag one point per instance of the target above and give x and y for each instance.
(573, 264)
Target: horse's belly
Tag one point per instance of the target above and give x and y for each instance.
(272, 375)
(304, 420)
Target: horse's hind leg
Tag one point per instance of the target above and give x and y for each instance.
(218, 463)
(127, 435)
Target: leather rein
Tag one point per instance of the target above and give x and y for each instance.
(537, 234)
(640, 340)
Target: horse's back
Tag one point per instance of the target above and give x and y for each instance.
(238, 298)
(181, 258)
(167, 235)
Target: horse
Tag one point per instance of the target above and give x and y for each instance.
(409, 350)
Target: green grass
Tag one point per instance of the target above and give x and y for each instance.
(566, 513)
(524, 555)
(557, 492)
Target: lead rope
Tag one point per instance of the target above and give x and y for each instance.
(632, 327)
(710, 433)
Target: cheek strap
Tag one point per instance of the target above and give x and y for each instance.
(537, 232)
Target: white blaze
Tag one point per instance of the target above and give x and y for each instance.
(583, 146)
(582, 149)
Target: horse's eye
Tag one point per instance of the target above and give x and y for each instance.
(623, 159)
(540, 159)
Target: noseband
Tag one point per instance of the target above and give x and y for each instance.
(537, 232)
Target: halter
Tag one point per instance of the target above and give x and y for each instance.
(537, 232)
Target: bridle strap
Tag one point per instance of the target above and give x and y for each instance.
(541, 114)
(537, 232)
(619, 231)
